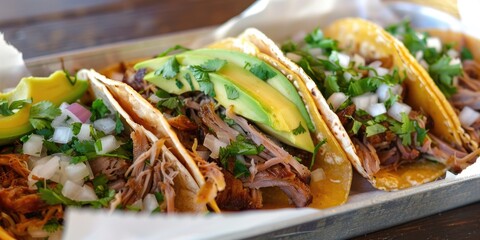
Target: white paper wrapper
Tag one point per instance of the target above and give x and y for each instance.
(280, 20)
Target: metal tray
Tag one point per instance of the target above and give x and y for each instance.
(367, 210)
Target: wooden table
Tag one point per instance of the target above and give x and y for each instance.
(121, 20)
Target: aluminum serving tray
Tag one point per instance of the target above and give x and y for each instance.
(367, 210)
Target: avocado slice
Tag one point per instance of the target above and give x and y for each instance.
(277, 81)
(56, 88)
(280, 118)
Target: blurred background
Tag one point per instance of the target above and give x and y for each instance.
(42, 27)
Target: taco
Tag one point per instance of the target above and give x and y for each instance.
(449, 60)
(389, 123)
(80, 153)
(242, 119)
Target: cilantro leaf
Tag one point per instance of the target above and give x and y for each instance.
(42, 113)
(375, 129)
(98, 109)
(179, 84)
(84, 147)
(79, 159)
(299, 130)
(316, 39)
(169, 69)
(443, 73)
(465, 54)
(159, 196)
(118, 124)
(240, 169)
(52, 225)
(241, 146)
(356, 126)
(232, 92)
(262, 71)
(331, 85)
(54, 196)
(363, 85)
(213, 65)
(315, 151)
(76, 126)
(8, 110)
(203, 79)
(189, 80)
(421, 133)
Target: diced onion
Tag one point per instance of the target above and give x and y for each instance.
(452, 53)
(79, 111)
(433, 42)
(59, 121)
(203, 154)
(109, 144)
(294, 57)
(137, 204)
(468, 116)
(359, 60)
(149, 203)
(316, 52)
(77, 192)
(106, 125)
(213, 144)
(455, 61)
(383, 91)
(424, 63)
(33, 146)
(62, 135)
(347, 76)
(336, 99)
(154, 98)
(376, 109)
(318, 175)
(343, 60)
(84, 133)
(37, 232)
(375, 64)
(76, 172)
(365, 100)
(48, 169)
(419, 55)
(64, 106)
(397, 109)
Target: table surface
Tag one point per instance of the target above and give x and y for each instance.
(44, 31)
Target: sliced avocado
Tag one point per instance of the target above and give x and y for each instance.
(278, 81)
(279, 118)
(56, 88)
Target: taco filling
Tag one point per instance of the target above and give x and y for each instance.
(453, 70)
(367, 96)
(81, 154)
(230, 111)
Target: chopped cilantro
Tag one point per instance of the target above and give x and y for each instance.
(78, 159)
(331, 85)
(262, 71)
(42, 113)
(159, 196)
(118, 124)
(98, 109)
(465, 54)
(299, 130)
(316, 39)
(179, 84)
(421, 133)
(241, 146)
(189, 80)
(363, 85)
(232, 92)
(8, 110)
(54, 196)
(356, 126)
(375, 129)
(84, 147)
(162, 93)
(240, 169)
(213, 65)
(169, 69)
(76, 126)
(100, 185)
(315, 151)
(98, 145)
(52, 225)
(404, 129)
(443, 73)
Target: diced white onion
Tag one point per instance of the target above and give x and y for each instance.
(343, 60)
(154, 98)
(109, 144)
(383, 91)
(62, 135)
(336, 99)
(376, 109)
(316, 52)
(455, 61)
(33, 146)
(433, 42)
(59, 121)
(419, 55)
(382, 71)
(84, 133)
(365, 100)
(452, 53)
(203, 154)
(420, 35)
(37, 232)
(137, 204)
(397, 109)
(77, 192)
(318, 175)
(294, 57)
(375, 64)
(359, 60)
(76, 172)
(468, 116)
(48, 169)
(149, 203)
(213, 144)
(90, 172)
(106, 125)
(347, 76)
(424, 63)
(64, 106)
